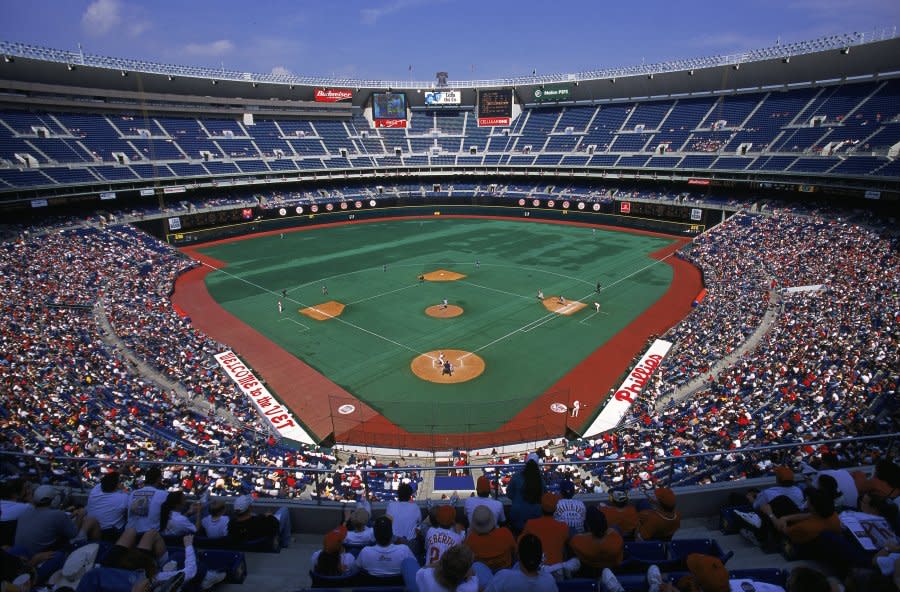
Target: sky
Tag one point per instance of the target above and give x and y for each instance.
(414, 39)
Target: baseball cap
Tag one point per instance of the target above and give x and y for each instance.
(483, 485)
(483, 520)
(359, 517)
(242, 504)
(334, 539)
(445, 516)
(665, 497)
(709, 572)
(548, 502)
(784, 474)
(78, 563)
(44, 494)
(618, 495)
(567, 488)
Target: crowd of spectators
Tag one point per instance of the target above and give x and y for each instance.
(826, 368)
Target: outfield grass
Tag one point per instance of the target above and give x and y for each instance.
(368, 349)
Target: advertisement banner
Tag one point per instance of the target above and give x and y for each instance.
(625, 207)
(107, 195)
(174, 189)
(696, 214)
(274, 413)
(390, 123)
(39, 203)
(147, 192)
(554, 92)
(698, 181)
(174, 223)
(443, 97)
(618, 405)
(494, 121)
(332, 95)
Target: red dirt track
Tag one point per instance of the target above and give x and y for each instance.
(315, 399)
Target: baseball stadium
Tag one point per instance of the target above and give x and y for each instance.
(336, 298)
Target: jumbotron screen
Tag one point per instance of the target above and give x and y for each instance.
(495, 107)
(389, 105)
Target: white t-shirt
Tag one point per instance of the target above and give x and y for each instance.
(571, 512)
(179, 524)
(216, 528)
(426, 583)
(752, 586)
(364, 537)
(493, 505)
(110, 509)
(792, 492)
(846, 484)
(383, 561)
(143, 508)
(438, 540)
(405, 516)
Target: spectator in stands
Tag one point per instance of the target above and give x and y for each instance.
(784, 499)
(885, 482)
(109, 506)
(570, 511)
(146, 554)
(620, 514)
(443, 536)
(145, 503)
(527, 575)
(661, 520)
(358, 530)
(332, 560)
(215, 525)
(599, 548)
(245, 526)
(805, 527)
(494, 546)
(525, 490)
(483, 498)
(456, 571)
(842, 477)
(172, 522)
(45, 528)
(384, 558)
(405, 517)
(708, 574)
(554, 535)
(13, 495)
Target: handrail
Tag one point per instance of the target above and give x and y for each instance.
(604, 461)
(12, 49)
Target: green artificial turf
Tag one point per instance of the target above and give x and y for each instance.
(369, 348)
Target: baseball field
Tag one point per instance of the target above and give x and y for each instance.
(440, 327)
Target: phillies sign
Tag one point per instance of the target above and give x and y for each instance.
(628, 393)
(332, 95)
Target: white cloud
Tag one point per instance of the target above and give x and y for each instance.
(370, 16)
(211, 49)
(101, 16)
(281, 71)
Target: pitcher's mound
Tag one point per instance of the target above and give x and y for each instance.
(442, 275)
(324, 311)
(466, 366)
(569, 308)
(440, 312)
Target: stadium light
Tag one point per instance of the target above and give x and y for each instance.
(8, 59)
(171, 78)
(70, 67)
(123, 73)
(786, 60)
(845, 51)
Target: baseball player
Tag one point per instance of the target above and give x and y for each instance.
(444, 304)
(280, 307)
(561, 299)
(575, 407)
(541, 295)
(441, 358)
(448, 368)
(324, 290)
(598, 287)
(597, 306)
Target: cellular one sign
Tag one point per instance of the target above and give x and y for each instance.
(276, 414)
(631, 388)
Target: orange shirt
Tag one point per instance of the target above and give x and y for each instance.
(601, 553)
(495, 549)
(625, 519)
(654, 524)
(806, 530)
(553, 535)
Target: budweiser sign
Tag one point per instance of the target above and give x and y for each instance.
(332, 95)
(618, 405)
(390, 123)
